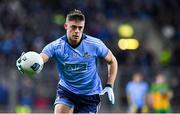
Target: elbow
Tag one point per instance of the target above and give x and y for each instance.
(114, 61)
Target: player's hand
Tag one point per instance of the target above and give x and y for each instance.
(18, 61)
(110, 93)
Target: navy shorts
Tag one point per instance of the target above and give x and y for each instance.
(80, 103)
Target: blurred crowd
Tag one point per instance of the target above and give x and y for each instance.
(144, 98)
(31, 24)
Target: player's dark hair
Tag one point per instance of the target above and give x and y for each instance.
(76, 15)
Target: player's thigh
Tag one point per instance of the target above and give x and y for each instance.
(61, 108)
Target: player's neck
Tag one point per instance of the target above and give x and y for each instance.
(74, 44)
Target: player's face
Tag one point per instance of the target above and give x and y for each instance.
(74, 31)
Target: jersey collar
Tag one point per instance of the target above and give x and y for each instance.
(83, 37)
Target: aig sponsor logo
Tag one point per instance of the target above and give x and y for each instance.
(76, 68)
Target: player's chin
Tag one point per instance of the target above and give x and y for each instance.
(76, 38)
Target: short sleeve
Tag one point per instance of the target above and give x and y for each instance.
(102, 50)
(49, 49)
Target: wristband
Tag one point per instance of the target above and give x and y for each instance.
(109, 85)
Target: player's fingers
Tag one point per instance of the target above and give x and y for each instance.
(18, 61)
(113, 99)
(103, 92)
(20, 70)
(109, 96)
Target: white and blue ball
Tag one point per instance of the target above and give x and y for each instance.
(31, 63)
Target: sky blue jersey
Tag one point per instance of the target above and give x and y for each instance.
(77, 66)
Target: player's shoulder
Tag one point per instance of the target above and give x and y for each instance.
(92, 40)
(58, 41)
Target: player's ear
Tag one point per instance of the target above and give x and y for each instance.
(65, 25)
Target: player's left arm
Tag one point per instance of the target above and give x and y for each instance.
(112, 68)
(112, 72)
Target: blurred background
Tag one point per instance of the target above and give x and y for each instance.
(144, 35)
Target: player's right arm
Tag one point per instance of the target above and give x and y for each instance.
(48, 51)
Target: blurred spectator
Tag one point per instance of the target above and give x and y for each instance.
(4, 94)
(41, 103)
(160, 95)
(136, 91)
(23, 109)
